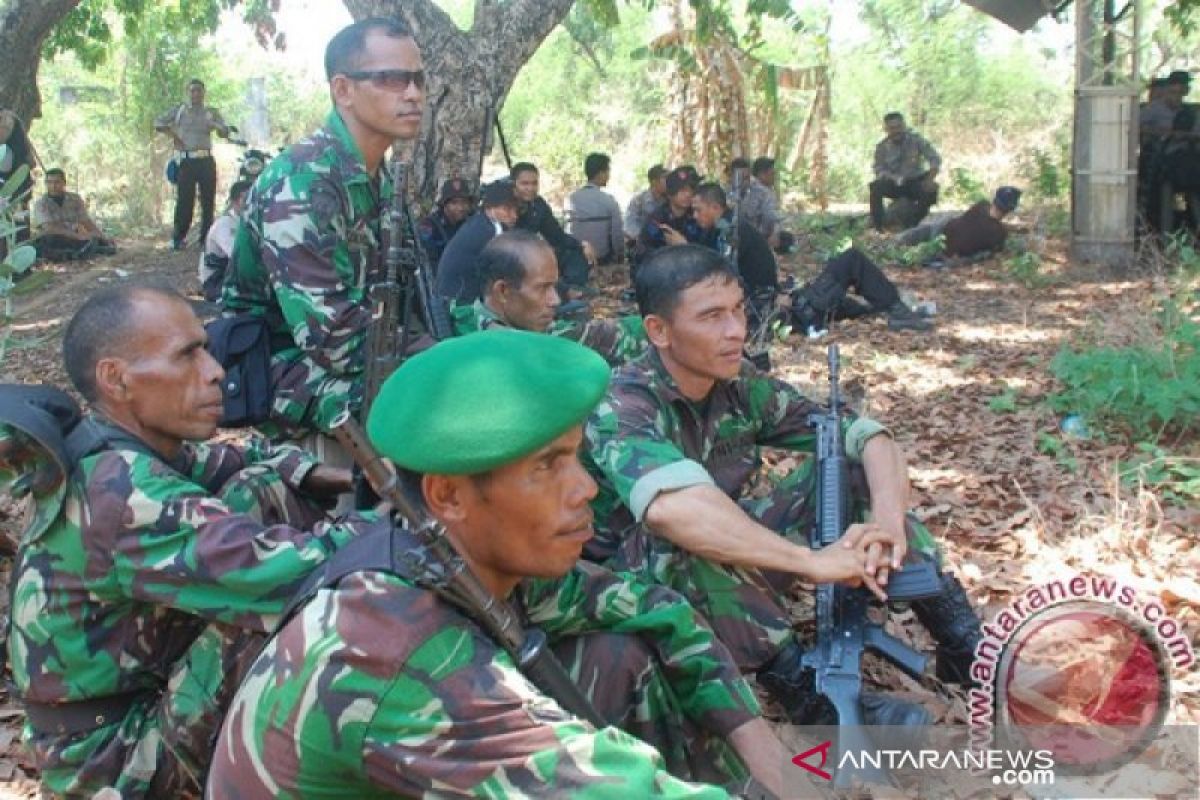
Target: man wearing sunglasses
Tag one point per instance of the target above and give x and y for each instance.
(309, 245)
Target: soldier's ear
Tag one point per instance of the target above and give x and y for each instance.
(341, 91)
(444, 496)
(657, 330)
(110, 379)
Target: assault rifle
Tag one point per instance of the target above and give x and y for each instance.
(844, 631)
(405, 294)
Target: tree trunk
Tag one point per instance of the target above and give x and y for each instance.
(24, 25)
(469, 75)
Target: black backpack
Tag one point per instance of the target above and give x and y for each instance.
(242, 345)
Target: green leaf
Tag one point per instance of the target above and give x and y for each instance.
(1003, 403)
(22, 258)
(1049, 444)
(14, 181)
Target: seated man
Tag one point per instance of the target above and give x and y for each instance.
(673, 222)
(458, 269)
(218, 246)
(674, 447)
(574, 257)
(593, 215)
(381, 687)
(714, 229)
(906, 166)
(519, 277)
(137, 607)
(977, 231)
(437, 229)
(62, 228)
(760, 206)
(645, 203)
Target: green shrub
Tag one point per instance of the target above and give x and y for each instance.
(965, 186)
(1026, 269)
(1139, 391)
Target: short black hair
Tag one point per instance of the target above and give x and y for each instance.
(238, 189)
(762, 164)
(344, 50)
(195, 82)
(738, 163)
(519, 167)
(656, 172)
(892, 115)
(498, 193)
(595, 163)
(712, 193)
(56, 171)
(502, 259)
(100, 328)
(672, 270)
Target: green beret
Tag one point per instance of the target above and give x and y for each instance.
(477, 402)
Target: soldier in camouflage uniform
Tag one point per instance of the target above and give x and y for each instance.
(309, 246)
(519, 274)
(145, 589)
(380, 687)
(674, 447)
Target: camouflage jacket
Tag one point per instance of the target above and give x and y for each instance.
(645, 437)
(110, 592)
(618, 341)
(759, 208)
(378, 688)
(307, 251)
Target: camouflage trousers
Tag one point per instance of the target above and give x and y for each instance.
(163, 745)
(746, 607)
(621, 676)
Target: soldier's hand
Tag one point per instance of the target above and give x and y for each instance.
(671, 235)
(324, 481)
(846, 560)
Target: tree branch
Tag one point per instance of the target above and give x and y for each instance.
(24, 25)
(510, 34)
(422, 16)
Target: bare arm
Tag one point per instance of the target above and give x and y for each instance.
(887, 477)
(702, 520)
(58, 229)
(762, 753)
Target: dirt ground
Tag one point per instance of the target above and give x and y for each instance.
(1010, 515)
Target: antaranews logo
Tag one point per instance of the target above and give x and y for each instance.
(1079, 667)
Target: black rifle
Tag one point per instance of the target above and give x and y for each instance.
(404, 296)
(844, 631)
(447, 574)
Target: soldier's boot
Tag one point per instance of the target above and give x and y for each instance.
(902, 318)
(794, 686)
(954, 625)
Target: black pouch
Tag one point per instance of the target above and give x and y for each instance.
(242, 345)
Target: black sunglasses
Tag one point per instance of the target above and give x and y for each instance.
(392, 80)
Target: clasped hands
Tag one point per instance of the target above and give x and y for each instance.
(866, 554)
